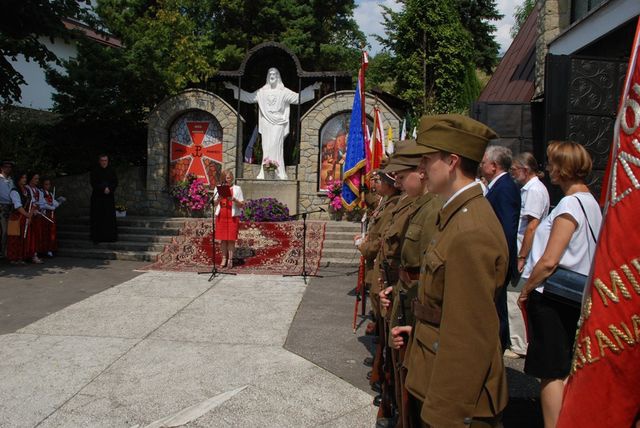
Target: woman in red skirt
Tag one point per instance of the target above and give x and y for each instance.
(21, 242)
(227, 212)
(48, 208)
(37, 221)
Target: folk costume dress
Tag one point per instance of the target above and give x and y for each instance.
(228, 215)
(21, 245)
(37, 222)
(49, 234)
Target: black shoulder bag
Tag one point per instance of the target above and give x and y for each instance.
(566, 285)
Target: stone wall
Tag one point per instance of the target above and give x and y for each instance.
(160, 120)
(312, 122)
(131, 192)
(555, 17)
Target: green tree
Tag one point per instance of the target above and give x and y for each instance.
(102, 104)
(380, 73)
(477, 17)
(169, 45)
(433, 55)
(520, 15)
(24, 25)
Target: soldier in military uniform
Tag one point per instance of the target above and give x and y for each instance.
(454, 360)
(388, 261)
(369, 248)
(418, 231)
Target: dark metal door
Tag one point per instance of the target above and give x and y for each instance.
(581, 102)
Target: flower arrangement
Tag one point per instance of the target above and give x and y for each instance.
(190, 194)
(264, 209)
(334, 193)
(270, 165)
(121, 207)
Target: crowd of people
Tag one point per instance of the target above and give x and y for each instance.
(456, 269)
(27, 216)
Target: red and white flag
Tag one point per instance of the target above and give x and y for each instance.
(604, 387)
(377, 143)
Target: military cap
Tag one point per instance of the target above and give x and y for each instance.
(387, 178)
(454, 133)
(400, 163)
(411, 148)
(7, 162)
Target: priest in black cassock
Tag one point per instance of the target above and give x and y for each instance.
(103, 206)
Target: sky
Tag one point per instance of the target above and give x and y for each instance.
(368, 14)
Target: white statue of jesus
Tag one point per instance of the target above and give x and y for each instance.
(273, 101)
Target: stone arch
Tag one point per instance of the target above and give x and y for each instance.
(160, 121)
(312, 122)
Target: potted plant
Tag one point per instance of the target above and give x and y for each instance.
(270, 167)
(191, 196)
(334, 193)
(121, 210)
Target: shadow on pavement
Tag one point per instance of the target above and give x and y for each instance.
(322, 333)
(29, 293)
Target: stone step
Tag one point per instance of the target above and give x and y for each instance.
(116, 246)
(65, 235)
(105, 254)
(340, 253)
(339, 243)
(123, 230)
(355, 228)
(147, 222)
(340, 236)
(333, 261)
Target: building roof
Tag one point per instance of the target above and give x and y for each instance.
(98, 36)
(513, 80)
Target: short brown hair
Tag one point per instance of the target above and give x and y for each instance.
(569, 160)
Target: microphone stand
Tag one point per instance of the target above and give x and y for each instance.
(214, 269)
(304, 273)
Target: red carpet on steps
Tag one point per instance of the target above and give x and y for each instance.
(269, 248)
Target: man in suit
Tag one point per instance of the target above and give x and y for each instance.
(455, 369)
(504, 196)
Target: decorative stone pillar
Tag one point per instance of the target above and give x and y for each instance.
(160, 121)
(311, 125)
(555, 17)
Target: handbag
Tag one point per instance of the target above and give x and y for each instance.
(566, 285)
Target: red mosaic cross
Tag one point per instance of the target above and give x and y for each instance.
(196, 151)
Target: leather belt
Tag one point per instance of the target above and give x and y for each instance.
(425, 313)
(409, 274)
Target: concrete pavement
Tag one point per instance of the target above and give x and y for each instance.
(31, 292)
(161, 342)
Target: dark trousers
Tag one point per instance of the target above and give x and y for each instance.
(503, 316)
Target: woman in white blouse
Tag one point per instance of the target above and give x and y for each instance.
(227, 213)
(565, 238)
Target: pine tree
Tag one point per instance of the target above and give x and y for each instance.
(433, 54)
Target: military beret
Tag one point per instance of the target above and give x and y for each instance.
(454, 133)
(400, 163)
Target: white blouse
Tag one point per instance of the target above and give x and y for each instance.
(235, 208)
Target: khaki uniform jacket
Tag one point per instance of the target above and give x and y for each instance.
(455, 366)
(377, 224)
(393, 236)
(392, 244)
(419, 230)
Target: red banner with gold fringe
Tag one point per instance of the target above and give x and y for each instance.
(604, 387)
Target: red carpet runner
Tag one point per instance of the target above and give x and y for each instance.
(266, 248)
